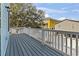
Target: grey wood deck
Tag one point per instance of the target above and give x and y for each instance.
(25, 45)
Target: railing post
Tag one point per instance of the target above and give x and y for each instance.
(76, 45)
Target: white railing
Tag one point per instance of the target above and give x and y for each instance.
(64, 41)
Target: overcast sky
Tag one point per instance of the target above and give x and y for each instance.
(60, 10)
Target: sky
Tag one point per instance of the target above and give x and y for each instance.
(60, 11)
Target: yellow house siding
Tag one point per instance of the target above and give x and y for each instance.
(51, 24)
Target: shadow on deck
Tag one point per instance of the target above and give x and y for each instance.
(25, 45)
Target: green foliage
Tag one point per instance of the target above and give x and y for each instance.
(25, 15)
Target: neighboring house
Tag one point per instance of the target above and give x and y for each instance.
(50, 23)
(68, 25)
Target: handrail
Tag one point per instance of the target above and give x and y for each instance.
(59, 31)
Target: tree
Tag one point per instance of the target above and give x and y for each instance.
(25, 15)
(14, 9)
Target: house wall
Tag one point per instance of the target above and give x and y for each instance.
(50, 23)
(4, 28)
(68, 26)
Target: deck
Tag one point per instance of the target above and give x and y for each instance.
(25, 45)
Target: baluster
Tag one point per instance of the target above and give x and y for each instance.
(48, 37)
(43, 36)
(76, 45)
(55, 39)
(61, 41)
(58, 40)
(52, 39)
(71, 44)
(66, 43)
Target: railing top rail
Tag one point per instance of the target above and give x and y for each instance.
(61, 31)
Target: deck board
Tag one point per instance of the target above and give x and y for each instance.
(25, 45)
